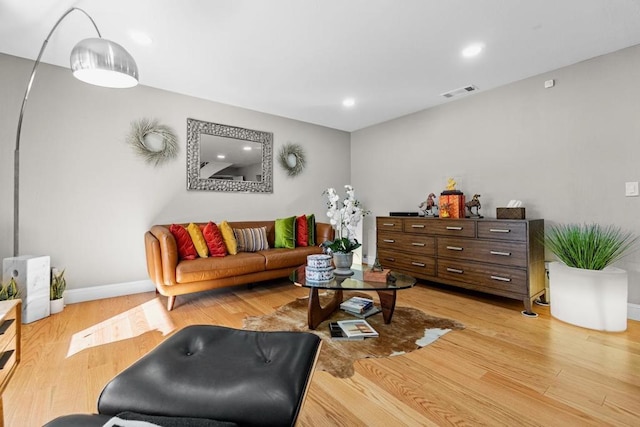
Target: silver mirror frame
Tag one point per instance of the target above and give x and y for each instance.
(195, 128)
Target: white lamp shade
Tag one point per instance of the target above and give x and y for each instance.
(105, 63)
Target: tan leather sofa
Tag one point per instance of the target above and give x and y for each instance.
(174, 277)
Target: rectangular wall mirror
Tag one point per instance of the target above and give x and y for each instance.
(228, 158)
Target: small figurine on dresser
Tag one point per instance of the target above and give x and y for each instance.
(429, 206)
(474, 203)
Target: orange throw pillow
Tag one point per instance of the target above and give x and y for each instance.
(186, 249)
(214, 240)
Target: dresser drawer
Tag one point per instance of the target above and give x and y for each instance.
(444, 227)
(500, 280)
(413, 243)
(503, 230)
(413, 264)
(389, 223)
(7, 331)
(495, 252)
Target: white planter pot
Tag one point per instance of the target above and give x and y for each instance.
(56, 305)
(594, 299)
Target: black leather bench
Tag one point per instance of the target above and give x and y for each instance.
(207, 375)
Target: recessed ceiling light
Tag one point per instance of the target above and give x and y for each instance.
(221, 156)
(349, 102)
(141, 38)
(472, 50)
(246, 148)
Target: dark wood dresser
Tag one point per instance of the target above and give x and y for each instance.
(496, 256)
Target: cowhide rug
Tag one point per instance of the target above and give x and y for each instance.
(410, 329)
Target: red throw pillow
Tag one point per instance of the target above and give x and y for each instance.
(302, 237)
(214, 239)
(186, 248)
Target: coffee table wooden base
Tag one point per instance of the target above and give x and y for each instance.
(317, 314)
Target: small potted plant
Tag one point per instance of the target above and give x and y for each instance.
(585, 290)
(56, 290)
(9, 290)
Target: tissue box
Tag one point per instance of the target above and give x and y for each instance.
(510, 213)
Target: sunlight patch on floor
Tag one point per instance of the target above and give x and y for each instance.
(146, 317)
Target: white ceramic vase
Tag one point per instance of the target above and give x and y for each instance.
(56, 305)
(594, 299)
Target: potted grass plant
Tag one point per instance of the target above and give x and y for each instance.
(9, 290)
(585, 289)
(56, 290)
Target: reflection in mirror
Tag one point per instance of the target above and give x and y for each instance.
(227, 158)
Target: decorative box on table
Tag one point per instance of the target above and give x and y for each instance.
(376, 276)
(510, 213)
(452, 201)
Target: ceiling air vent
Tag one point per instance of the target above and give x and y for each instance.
(459, 91)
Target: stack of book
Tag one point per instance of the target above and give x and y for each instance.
(359, 307)
(351, 330)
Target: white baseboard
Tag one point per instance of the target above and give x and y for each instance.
(72, 296)
(633, 311)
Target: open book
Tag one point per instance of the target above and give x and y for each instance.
(357, 328)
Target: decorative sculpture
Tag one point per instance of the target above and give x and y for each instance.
(428, 205)
(474, 203)
(451, 184)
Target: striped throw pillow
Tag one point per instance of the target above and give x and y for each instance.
(251, 239)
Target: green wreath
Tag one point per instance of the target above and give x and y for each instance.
(291, 158)
(155, 143)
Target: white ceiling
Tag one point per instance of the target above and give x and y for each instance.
(301, 58)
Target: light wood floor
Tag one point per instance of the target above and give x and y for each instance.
(503, 369)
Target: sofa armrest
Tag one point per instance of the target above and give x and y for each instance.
(168, 253)
(324, 232)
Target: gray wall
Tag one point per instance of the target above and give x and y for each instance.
(566, 152)
(86, 199)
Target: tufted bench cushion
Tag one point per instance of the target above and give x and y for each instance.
(212, 372)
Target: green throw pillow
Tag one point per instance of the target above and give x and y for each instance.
(311, 229)
(285, 233)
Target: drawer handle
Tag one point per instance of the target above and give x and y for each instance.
(388, 240)
(499, 230)
(502, 279)
(5, 358)
(388, 224)
(417, 244)
(417, 226)
(500, 253)
(6, 325)
(390, 259)
(454, 248)
(418, 264)
(454, 270)
(454, 228)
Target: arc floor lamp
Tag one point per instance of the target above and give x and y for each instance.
(96, 61)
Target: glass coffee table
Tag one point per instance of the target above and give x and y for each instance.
(386, 291)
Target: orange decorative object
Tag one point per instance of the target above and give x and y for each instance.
(452, 206)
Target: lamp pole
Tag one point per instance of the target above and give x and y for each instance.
(120, 62)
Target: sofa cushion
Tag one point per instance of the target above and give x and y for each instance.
(229, 238)
(311, 228)
(251, 239)
(212, 268)
(186, 249)
(198, 240)
(286, 258)
(214, 239)
(285, 232)
(302, 234)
